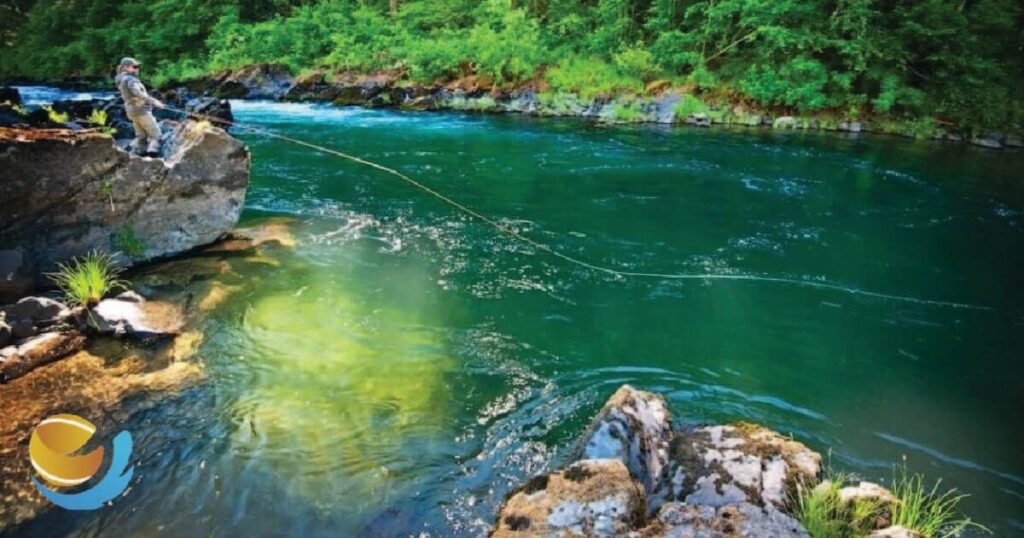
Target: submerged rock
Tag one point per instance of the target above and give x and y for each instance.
(71, 193)
(37, 351)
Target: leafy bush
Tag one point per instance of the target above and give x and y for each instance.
(591, 77)
(638, 62)
(85, 281)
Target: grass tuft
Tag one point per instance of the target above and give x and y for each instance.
(85, 281)
(927, 511)
(823, 513)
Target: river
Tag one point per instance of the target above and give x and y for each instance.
(405, 366)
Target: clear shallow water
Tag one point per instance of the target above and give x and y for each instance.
(403, 367)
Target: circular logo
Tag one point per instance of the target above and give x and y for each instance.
(53, 448)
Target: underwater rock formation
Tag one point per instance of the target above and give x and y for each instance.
(69, 193)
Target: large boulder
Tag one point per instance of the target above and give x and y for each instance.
(735, 464)
(589, 498)
(735, 480)
(633, 427)
(68, 193)
(15, 275)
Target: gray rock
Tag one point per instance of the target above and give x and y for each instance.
(867, 491)
(589, 498)
(678, 520)
(986, 142)
(700, 119)
(15, 275)
(22, 329)
(72, 194)
(855, 127)
(1013, 141)
(896, 532)
(725, 465)
(38, 351)
(633, 427)
(37, 310)
(784, 122)
(129, 315)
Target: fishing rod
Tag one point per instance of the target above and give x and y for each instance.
(618, 273)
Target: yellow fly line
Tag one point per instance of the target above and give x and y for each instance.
(566, 257)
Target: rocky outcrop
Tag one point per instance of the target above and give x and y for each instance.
(588, 498)
(639, 477)
(67, 193)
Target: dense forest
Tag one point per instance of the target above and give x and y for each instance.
(956, 62)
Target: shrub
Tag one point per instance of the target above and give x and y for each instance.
(85, 281)
(638, 62)
(54, 116)
(591, 77)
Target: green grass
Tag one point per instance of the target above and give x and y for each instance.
(85, 281)
(916, 507)
(55, 117)
(688, 106)
(925, 510)
(825, 515)
(627, 112)
(99, 119)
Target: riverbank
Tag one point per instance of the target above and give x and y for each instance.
(660, 102)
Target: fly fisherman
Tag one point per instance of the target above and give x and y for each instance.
(138, 105)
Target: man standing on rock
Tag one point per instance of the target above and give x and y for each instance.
(138, 105)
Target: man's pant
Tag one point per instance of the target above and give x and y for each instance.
(146, 128)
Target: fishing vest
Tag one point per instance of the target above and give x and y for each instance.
(134, 95)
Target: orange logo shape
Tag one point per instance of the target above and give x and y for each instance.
(52, 447)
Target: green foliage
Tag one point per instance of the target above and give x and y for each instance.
(688, 106)
(54, 116)
(127, 242)
(925, 510)
(99, 118)
(950, 60)
(591, 77)
(628, 112)
(85, 281)
(825, 515)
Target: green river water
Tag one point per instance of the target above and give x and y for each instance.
(403, 367)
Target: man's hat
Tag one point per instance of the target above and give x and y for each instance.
(129, 61)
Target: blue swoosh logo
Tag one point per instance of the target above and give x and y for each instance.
(115, 481)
